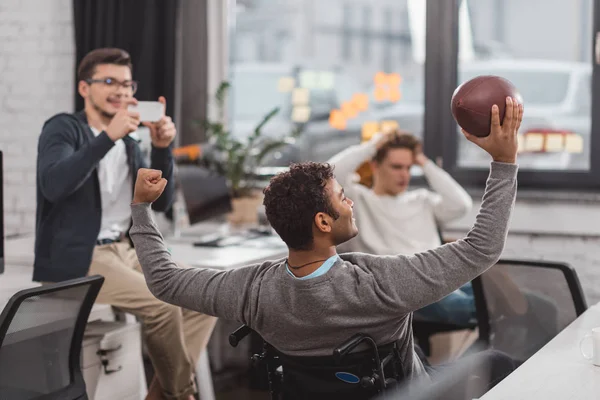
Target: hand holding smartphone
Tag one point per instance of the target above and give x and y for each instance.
(150, 111)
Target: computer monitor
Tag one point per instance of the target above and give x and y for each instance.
(206, 196)
(1, 213)
(205, 193)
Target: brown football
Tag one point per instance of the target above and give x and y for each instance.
(473, 100)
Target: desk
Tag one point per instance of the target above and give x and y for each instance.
(19, 270)
(557, 370)
(229, 257)
(18, 273)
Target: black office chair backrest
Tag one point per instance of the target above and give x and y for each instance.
(521, 305)
(41, 332)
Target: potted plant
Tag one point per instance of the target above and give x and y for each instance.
(238, 159)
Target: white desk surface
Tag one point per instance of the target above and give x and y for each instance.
(229, 257)
(18, 273)
(19, 252)
(558, 370)
(19, 261)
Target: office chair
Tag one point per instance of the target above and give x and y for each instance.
(41, 333)
(343, 375)
(423, 330)
(521, 305)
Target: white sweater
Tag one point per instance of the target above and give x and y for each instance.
(402, 224)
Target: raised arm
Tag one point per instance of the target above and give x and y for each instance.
(162, 159)
(62, 167)
(219, 293)
(424, 278)
(450, 200)
(415, 281)
(162, 134)
(347, 161)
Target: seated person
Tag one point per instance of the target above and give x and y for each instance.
(310, 302)
(87, 164)
(393, 220)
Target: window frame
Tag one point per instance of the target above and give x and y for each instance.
(441, 78)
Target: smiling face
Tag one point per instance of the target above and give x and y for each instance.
(343, 228)
(107, 89)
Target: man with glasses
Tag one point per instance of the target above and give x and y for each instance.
(86, 168)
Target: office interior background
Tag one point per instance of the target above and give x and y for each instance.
(338, 71)
(341, 49)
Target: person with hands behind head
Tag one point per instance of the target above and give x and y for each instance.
(315, 299)
(86, 169)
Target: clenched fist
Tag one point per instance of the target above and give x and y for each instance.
(149, 185)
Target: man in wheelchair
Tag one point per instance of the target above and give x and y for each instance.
(306, 305)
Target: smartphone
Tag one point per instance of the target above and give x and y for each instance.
(150, 111)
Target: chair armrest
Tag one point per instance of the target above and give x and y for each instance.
(238, 335)
(342, 350)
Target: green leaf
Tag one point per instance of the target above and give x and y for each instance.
(268, 148)
(266, 118)
(221, 92)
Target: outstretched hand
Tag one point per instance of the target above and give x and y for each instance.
(149, 185)
(502, 143)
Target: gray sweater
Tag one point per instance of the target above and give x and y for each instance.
(360, 293)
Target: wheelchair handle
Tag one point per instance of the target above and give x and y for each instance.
(238, 335)
(342, 350)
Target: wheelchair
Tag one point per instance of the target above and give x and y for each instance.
(344, 375)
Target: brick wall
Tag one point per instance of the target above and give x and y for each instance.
(37, 55)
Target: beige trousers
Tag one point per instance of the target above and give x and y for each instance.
(174, 336)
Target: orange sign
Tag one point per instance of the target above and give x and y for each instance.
(370, 128)
(361, 101)
(387, 87)
(349, 109)
(337, 120)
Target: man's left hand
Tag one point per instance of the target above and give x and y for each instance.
(162, 132)
(420, 157)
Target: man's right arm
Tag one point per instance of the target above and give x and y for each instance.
(61, 168)
(415, 281)
(424, 278)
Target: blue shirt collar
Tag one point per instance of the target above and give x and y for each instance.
(326, 266)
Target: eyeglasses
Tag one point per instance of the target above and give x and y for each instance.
(115, 84)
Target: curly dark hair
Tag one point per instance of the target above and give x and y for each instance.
(294, 197)
(399, 140)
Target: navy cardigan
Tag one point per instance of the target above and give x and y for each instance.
(69, 206)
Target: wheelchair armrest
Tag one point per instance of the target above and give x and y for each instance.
(342, 350)
(238, 335)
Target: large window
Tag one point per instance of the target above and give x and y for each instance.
(340, 69)
(552, 70)
(344, 69)
(544, 47)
